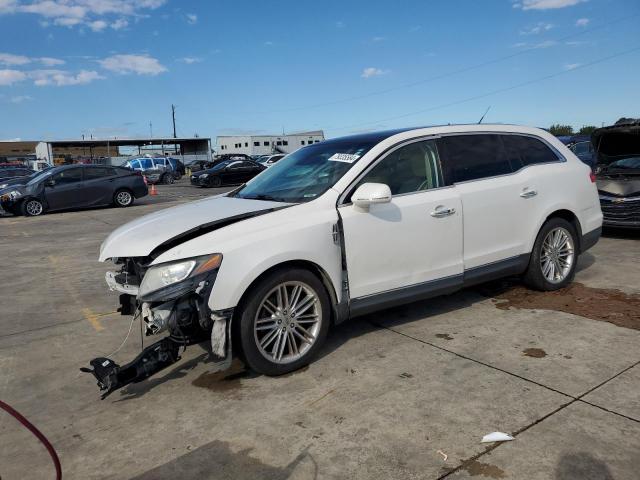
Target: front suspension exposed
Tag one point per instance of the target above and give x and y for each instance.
(150, 361)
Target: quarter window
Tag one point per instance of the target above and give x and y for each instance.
(523, 151)
(412, 168)
(471, 157)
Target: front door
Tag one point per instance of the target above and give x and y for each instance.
(413, 241)
(66, 192)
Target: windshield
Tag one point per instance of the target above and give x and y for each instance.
(37, 176)
(306, 173)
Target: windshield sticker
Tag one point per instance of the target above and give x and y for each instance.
(343, 157)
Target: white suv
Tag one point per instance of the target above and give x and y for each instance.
(345, 227)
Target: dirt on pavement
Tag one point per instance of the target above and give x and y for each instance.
(606, 305)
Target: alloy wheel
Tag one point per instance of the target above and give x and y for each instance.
(557, 255)
(287, 322)
(123, 198)
(34, 208)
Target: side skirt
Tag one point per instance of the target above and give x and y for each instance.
(443, 286)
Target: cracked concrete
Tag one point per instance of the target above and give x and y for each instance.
(388, 393)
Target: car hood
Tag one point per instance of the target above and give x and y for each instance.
(619, 187)
(157, 232)
(14, 181)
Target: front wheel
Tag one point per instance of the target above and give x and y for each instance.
(554, 257)
(167, 179)
(32, 207)
(284, 322)
(215, 182)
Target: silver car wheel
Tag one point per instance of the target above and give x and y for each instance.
(557, 255)
(34, 208)
(123, 198)
(287, 322)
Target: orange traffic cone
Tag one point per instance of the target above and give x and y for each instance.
(153, 189)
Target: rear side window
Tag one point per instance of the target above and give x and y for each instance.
(471, 157)
(98, 172)
(524, 151)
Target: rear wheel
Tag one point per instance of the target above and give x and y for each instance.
(284, 322)
(122, 198)
(32, 207)
(554, 257)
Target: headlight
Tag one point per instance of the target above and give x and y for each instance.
(4, 185)
(204, 175)
(166, 274)
(13, 194)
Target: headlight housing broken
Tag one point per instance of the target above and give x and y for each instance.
(164, 275)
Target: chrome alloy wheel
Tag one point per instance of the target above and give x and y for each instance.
(123, 198)
(34, 208)
(557, 256)
(288, 322)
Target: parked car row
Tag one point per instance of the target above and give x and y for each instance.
(157, 169)
(72, 186)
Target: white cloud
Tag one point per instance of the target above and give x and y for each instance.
(63, 78)
(190, 60)
(138, 64)
(98, 25)
(378, 39)
(94, 14)
(20, 98)
(11, 59)
(545, 4)
(9, 77)
(192, 18)
(572, 66)
(340, 24)
(582, 22)
(51, 62)
(536, 29)
(119, 24)
(268, 43)
(373, 72)
(545, 44)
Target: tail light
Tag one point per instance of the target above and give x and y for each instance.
(592, 177)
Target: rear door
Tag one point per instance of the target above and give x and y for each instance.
(99, 185)
(413, 241)
(66, 192)
(494, 210)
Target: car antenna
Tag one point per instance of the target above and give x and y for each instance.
(484, 114)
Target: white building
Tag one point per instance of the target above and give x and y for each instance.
(267, 144)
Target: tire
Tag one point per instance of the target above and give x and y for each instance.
(215, 182)
(177, 176)
(166, 179)
(123, 198)
(31, 207)
(547, 259)
(267, 349)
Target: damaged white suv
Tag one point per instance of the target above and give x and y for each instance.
(345, 227)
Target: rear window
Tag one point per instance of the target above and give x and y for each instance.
(471, 157)
(523, 151)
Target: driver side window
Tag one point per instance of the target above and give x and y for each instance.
(412, 168)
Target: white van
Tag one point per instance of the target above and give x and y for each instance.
(345, 227)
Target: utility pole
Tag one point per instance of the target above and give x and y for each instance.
(151, 129)
(173, 116)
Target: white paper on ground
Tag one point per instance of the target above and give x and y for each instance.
(496, 437)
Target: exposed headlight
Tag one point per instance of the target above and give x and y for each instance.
(204, 175)
(13, 194)
(4, 185)
(163, 275)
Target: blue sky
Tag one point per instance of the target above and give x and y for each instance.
(109, 67)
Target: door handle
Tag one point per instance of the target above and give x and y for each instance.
(526, 193)
(441, 212)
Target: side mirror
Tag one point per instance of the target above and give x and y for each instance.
(50, 183)
(371, 193)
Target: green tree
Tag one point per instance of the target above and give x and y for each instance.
(561, 130)
(587, 129)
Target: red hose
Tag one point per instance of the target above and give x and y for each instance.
(38, 434)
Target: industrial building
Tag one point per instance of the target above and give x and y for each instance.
(267, 144)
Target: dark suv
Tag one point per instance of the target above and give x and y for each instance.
(74, 186)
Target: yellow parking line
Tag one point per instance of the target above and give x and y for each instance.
(93, 319)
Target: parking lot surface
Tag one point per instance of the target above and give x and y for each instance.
(404, 393)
